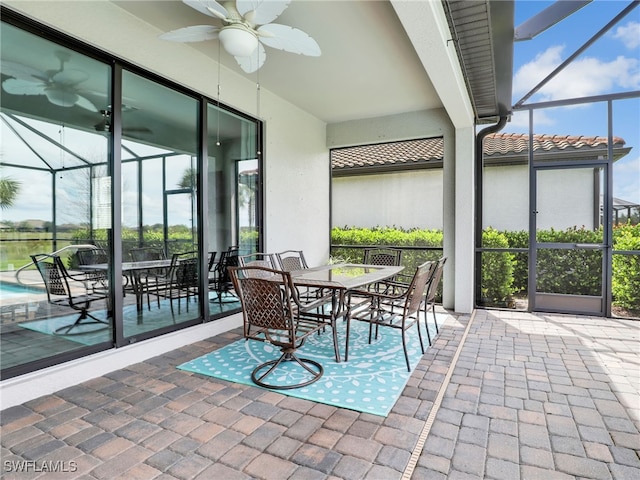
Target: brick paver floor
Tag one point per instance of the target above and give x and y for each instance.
(500, 395)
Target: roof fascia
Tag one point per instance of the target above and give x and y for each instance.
(426, 26)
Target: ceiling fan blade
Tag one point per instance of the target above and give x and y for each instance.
(208, 7)
(264, 11)
(17, 86)
(20, 71)
(289, 39)
(195, 33)
(70, 77)
(137, 130)
(253, 62)
(85, 103)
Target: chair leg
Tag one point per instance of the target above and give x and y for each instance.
(419, 333)
(64, 330)
(406, 353)
(435, 320)
(288, 355)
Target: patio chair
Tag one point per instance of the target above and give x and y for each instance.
(151, 279)
(291, 260)
(382, 256)
(257, 259)
(220, 282)
(93, 256)
(431, 293)
(270, 314)
(398, 307)
(181, 280)
(71, 290)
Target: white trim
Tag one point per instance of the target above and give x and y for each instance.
(24, 388)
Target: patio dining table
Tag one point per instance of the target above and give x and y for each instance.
(133, 270)
(339, 278)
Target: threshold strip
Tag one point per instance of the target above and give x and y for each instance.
(417, 451)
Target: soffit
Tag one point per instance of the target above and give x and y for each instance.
(482, 32)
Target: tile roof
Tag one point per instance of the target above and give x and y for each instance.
(419, 152)
(510, 143)
(396, 153)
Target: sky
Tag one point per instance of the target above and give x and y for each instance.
(610, 65)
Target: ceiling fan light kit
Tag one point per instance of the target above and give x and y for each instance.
(246, 27)
(238, 41)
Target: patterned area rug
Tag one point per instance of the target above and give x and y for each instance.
(92, 334)
(371, 381)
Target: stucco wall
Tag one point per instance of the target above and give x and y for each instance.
(405, 200)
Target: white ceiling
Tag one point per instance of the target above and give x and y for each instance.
(368, 67)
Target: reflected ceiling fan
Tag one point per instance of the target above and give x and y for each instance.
(104, 125)
(245, 29)
(61, 87)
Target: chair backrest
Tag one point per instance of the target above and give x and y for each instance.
(382, 256)
(92, 256)
(255, 260)
(228, 258)
(54, 275)
(147, 254)
(434, 281)
(184, 269)
(212, 260)
(291, 260)
(266, 301)
(416, 289)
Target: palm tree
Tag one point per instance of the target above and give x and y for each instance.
(9, 190)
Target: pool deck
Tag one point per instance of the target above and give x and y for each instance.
(500, 395)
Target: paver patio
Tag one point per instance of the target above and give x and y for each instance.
(501, 395)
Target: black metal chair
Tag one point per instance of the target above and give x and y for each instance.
(93, 256)
(181, 279)
(270, 313)
(152, 279)
(396, 306)
(220, 282)
(71, 290)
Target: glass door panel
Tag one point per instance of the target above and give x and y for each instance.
(159, 129)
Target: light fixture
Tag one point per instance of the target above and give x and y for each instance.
(238, 41)
(61, 96)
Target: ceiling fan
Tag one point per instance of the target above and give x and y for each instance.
(61, 87)
(245, 29)
(104, 125)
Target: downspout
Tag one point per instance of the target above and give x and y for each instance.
(478, 200)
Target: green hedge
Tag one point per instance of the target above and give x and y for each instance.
(626, 268)
(505, 274)
(386, 236)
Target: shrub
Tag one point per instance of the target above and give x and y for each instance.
(497, 270)
(626, 268)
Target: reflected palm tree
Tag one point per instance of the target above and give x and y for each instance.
(9, 189)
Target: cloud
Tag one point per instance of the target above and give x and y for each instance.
(583, 77)
(629, 34)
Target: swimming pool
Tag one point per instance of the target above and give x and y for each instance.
(12, 292)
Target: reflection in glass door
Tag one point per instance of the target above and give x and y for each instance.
(569, 254)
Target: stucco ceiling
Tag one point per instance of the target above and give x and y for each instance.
(368, 66)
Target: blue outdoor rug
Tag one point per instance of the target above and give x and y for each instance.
(371, 381)
(92, 334)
